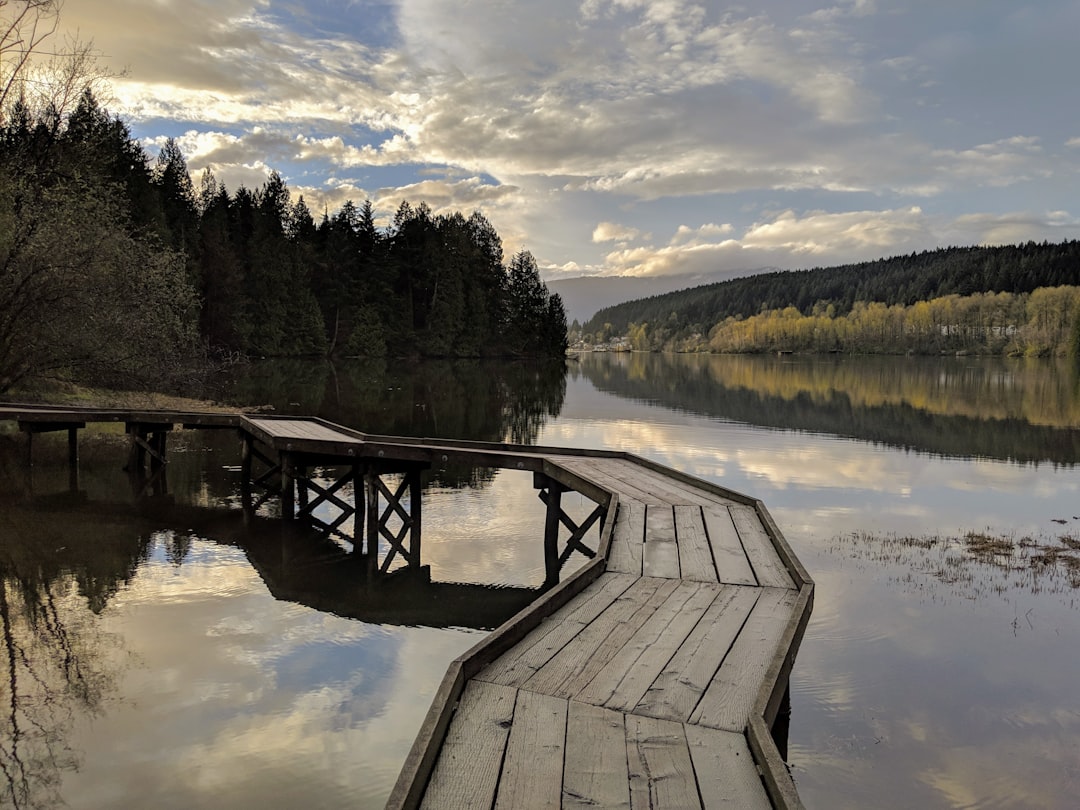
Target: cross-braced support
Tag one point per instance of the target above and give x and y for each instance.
(404, 539)
(312, 496)
(551, 494)
(257, 489)
(147, 459)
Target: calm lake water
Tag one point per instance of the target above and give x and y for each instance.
(169, 655)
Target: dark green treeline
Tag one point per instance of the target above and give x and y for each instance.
(116, 269)
(898, 280)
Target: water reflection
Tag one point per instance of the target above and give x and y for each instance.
(929, 676)
(911, 688)
(461, 399)
(1012, 409)
(155, 639)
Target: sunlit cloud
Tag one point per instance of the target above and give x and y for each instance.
(595, 123)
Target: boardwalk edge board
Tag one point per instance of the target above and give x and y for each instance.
(304, 436)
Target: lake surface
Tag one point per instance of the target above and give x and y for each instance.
(171, 655)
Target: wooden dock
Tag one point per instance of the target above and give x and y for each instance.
(649, 678)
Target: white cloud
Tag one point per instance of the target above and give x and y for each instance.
(817, 239)
(556, 116)
(612, 232)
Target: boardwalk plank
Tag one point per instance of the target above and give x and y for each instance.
(625, 678)
(521, 661)
(661, 771)
(660, 556)
(578, 662)
(727, 702)
(768, 567)
(678, 688)
(532, 774)
(628, 538)
(675, 490)
(600, 472)
(732, 564)
(695, 556)
(467, 772)
(595, 774)
(726, 774)
(645, 479)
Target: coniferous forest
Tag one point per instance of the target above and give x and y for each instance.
(115, 268)
(1012, 298)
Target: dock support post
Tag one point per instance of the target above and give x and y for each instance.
(551, 492)
(73, 459)
(782, 724)
(246, 455)
(148, 443)
(552, 565)
(371, 528)
(288, 503)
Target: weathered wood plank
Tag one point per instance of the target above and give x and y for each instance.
(660, 555)
(629, 475)
(727, 701)
(628, 537)
(695, 556)
(661, 771)
(467, 772)
(300, 429)
(578, 662)
(673, 489)
(532, 773)
(726, 774)
(521, 661)
(678, 688)
(623, 681)
(595, 774)
(732, 564)
(768, 567)
(599, 472)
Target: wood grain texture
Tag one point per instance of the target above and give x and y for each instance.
(726, 774)
(467, 772)
(622, 682)
(521, 661)
(727, 701)
(600, 472)
(301, 429)
(677, 690)
(732, 564)
(532, 773)
(660, 555)
(595, 773)
(628, 537)
(661, 771)
(695, 555)
(673, 490)
(768, 567)
(578, 662)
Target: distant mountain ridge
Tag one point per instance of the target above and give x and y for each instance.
(584, 296)
(895, 280)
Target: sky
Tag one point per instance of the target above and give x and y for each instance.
(627, 137)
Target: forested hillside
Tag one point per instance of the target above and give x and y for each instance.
(900, 280)
(114, 267)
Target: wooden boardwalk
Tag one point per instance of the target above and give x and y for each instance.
(650, 678)
(653, 686)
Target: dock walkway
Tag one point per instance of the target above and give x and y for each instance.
(649, 678)
(654, 686)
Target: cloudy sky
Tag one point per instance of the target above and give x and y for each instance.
(626, 136)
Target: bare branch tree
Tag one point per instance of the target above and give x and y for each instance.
(24, 26)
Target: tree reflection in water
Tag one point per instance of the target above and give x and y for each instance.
(56, 663)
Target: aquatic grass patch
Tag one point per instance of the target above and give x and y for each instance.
(974, 563)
